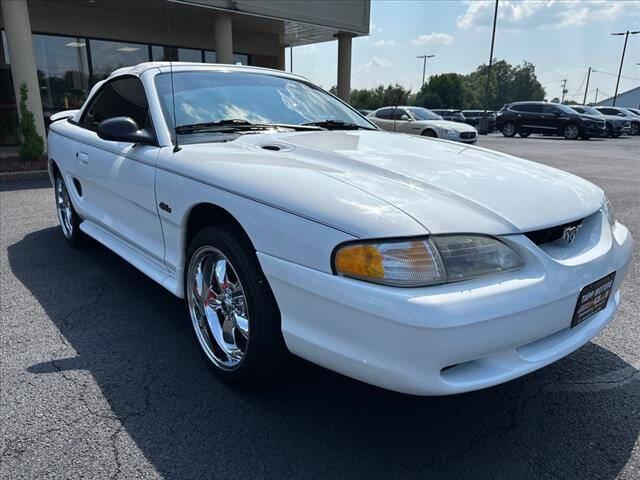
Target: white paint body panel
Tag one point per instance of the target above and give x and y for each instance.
(324, 188)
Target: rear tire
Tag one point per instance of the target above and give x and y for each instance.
(245, 346)
(429, 133)
(634, 129)
(509, 129)
(571, 131)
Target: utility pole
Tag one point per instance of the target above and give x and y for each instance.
(586, 89)
(291, 58)
(596, 100)
(424, 65)
(484, 123)
(624, 49)
(564, 89)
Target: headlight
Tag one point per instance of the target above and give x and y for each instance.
(427, 261)
(449, 131)
(607, 209)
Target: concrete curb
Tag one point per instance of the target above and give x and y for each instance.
(20, 176)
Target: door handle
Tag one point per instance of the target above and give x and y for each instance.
(84, 158)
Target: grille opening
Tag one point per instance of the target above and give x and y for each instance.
(549, 235)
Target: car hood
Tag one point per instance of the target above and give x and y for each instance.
(376, 183)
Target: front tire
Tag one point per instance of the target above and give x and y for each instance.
(67, 215)
(429, 133)
(571, 131)
(509, 129)
(634, 129)
(233, 311)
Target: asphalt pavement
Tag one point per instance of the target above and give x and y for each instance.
(101, 378)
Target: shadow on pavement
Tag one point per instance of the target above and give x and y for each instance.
(573, 419)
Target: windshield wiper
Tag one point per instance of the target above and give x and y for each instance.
(333, 124)
(236, 124)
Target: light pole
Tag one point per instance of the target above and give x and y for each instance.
(624, 49)
(424, 64)
(484, 123)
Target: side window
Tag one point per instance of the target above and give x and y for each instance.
(529, 108)
(123, 97)
(398, 114)
(609, 111)
(385, 114)
(549, 109)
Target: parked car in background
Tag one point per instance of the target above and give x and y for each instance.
(473, 117)
(634, 128)
(616, 126)
(288, 222)
(450, 114)
(525, 118)
(364, 111)
(421, 121)
(634, 110)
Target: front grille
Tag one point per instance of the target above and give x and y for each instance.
(468, 135)
(548, 235)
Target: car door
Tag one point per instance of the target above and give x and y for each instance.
(552, 119)
(384, 119)
(403, 120)
(117, 178)
(528, 117)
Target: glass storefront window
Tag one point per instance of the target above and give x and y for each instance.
(163, 54)
(63, 71)
(189, 55)
(8, 108)
(238, 58)
(108, 56)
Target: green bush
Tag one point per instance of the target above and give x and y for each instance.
(31, 144)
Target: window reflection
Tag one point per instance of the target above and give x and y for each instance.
(8, 109)
(63, 71)
(108, 56)
(189, 55)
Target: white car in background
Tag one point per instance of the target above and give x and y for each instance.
(288, 222)
(421, 121)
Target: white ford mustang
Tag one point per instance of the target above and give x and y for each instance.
(288, 222)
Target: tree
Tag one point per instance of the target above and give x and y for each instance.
(448, 90)
(31, 144)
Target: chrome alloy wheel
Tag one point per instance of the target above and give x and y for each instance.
(509, 129)
(571, 132)
(218, 307)
(64, 208)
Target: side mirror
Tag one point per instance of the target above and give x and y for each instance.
(123, 129)
(405, 117)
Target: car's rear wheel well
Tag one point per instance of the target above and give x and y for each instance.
(208, 215)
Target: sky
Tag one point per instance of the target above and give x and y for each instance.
(561, 38)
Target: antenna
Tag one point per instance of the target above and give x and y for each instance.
(176, 148)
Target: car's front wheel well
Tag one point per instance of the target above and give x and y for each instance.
(206, 215)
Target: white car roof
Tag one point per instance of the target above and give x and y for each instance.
(140, 68)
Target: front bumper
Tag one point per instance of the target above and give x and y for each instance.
(450, 338)
(594, 130)
(458, 137)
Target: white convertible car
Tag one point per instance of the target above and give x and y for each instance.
(288, 222)
(421, 121)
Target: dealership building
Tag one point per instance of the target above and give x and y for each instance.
(61, 48)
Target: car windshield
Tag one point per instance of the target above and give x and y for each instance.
(564, 108)
(423, 114)
(588, 110)
(205, 97)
